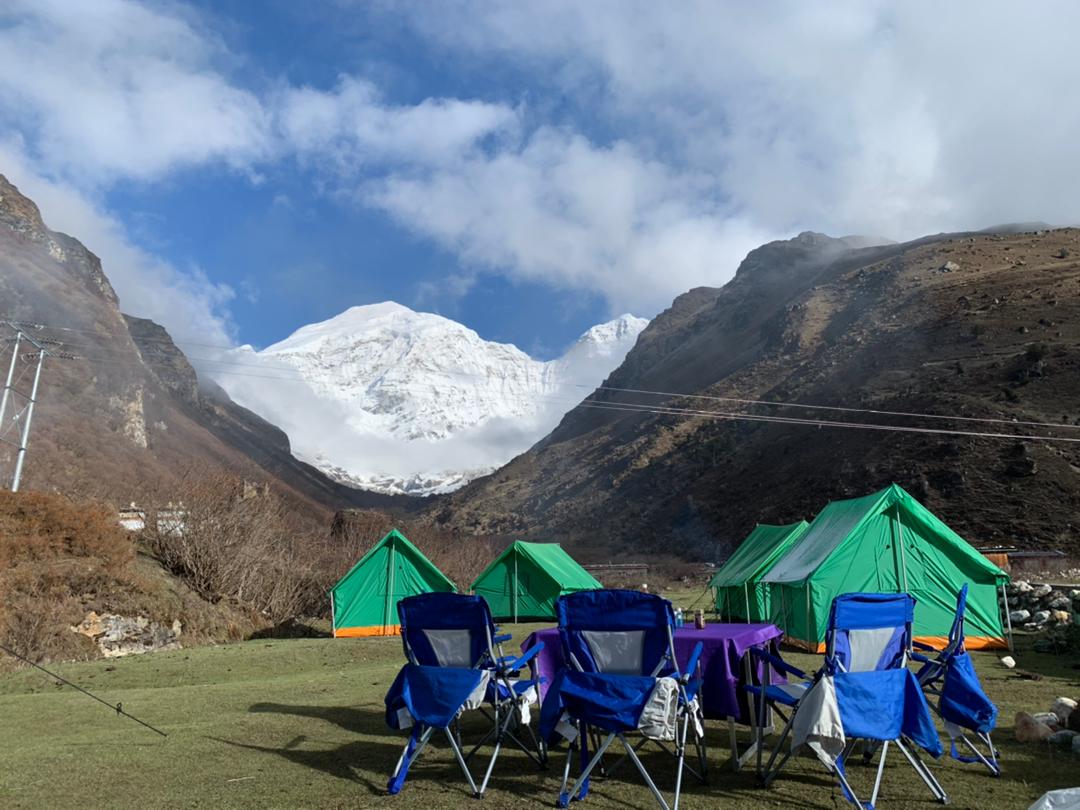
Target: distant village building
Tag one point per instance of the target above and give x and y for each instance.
(170, 520)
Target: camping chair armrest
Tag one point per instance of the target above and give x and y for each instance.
(528, 656)
(692, 664)
(922, 658)
(778, 663)
(502, 639)
(919, 645)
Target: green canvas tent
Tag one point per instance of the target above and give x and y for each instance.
(889, 543)
(740, 594)
(525, 580)
(364, 602)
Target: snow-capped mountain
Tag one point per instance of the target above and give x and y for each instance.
(394, 400)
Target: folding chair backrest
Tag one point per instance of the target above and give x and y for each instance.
(870, 631)
(617, 632)
(446, 629)
(956, 632)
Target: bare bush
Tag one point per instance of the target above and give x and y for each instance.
(355, 532)
(233, 542)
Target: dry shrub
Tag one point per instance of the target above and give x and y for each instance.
(231, 542)
(56, 557)
(355, 531)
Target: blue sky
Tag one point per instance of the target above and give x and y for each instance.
(527, 169)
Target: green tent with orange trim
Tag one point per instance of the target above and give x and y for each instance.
(886, 542)
(364, 601)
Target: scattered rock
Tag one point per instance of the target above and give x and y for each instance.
(1062, 738)
(1008, 662)
(1022, 586)
(1060, 616)
(1018, 616)
(1063, 707)
(1042, 590)
(1046, 718)
(1028, 729)
(1062, 254)
(949, 267)
(1040, 616)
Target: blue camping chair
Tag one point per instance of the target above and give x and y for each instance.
(962, 704)
(622, 678)
(863, 693)
(456, 664)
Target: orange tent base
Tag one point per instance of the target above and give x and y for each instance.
(364, 632)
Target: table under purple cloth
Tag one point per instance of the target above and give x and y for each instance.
(722, 667)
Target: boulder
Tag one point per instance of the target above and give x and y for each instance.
(1046, 718)
(1059, 603)
(1041, 590)
(1061, 616)
(1074, 721)
(1062, 708)
(1018, 616)
(117, 636)
(1040, 616)
(1062, 738)
(1028, 729)
(949, 267)
(1021, 586)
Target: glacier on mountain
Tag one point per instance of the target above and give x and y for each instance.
(392, 400)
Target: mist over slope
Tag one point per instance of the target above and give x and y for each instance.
(820, 321)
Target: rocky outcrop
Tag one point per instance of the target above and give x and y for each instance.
(117, 636)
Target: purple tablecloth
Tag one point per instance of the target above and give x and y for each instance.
(723, 671)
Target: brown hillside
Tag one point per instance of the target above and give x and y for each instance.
(129, 416)
(817, 320)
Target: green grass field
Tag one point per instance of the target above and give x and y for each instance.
(299, 723)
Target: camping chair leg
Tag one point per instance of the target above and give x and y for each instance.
(644, 773)
(770, 773)
(461, 762)
(734, 744)
(846, 785)
(564, 797)
(880, 772)
(500, 730)
(407, 758)
(566, 775)
(923, 771)
(682, 757)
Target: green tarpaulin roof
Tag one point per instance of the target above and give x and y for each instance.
(757, 553)
(526, 579)
(886, 542)
(365, 599)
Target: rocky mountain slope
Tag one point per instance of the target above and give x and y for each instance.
(400, 401)
(981, 325)
(128, 415)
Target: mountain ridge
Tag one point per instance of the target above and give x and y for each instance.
(394, 400)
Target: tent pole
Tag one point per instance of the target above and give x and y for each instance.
(1008, 618)
(746, 593)
(333, 618)
(389, 588)
(515, 588)
(900, 542)
(808, 616)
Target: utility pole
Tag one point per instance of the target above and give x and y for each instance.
(23, 415)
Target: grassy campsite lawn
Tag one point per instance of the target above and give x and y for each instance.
(298, 723)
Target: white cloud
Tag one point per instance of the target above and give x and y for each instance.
(114, 89)
(356, 128)
(563, 211)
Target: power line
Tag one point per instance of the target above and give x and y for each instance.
(223, 365)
